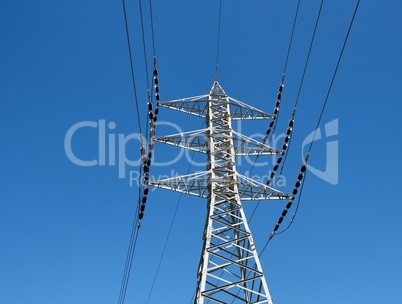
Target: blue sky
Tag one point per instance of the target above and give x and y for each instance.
(64, 229)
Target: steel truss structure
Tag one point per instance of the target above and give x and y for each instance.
(229, 269)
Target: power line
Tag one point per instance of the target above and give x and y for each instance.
(129, 261)
(320, 116)
(164, 248)
(309, 53)
(218, 42)
(285, 67)
(131, 66)
(272, 127)
(291, 37)
(334, 75)
(170, 229)
(135, 226)
(301, 82)
(303, 75)
(153, 45)
(152, 27)
(323, 109)
(133, 240)
(144, 43)
(134, 230)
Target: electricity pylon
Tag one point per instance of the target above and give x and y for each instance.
(229, 269)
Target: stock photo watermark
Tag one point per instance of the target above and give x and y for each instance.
(330, 173)
(111, 150)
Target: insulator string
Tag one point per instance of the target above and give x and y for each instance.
(272, 124)
(284, 148)
(296, 187)
(146, 154)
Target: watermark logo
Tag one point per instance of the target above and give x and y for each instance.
(112, 149)
(330, 173)
(107, 151)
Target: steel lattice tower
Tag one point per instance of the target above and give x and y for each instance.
(229, 269)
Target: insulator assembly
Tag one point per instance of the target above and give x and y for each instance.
(146, 157)
(276, 112)
(290, 202)
(284, 147)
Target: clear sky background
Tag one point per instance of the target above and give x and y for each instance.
(64, 229)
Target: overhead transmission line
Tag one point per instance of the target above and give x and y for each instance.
(303, 75)
(286, 62)
(131, 67)
(323, 108)
(129, 262)
(152, 27)
(141, 189)
(299, 90)
(291, 122)
(218, 40)
(165, 246)
(271, 128)
(144, 47)
(134, 230)
(291, 37)
(303, 171)
(169, 232)
(319, 119)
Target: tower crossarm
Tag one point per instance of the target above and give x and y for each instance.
(197, 141)
(197, 106)
(250, 189)
(192, 140)
(242, 111)
(193, 184)
(244, 145)
(191, 105)
(197, 184)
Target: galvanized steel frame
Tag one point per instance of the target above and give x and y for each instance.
(229, 269)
